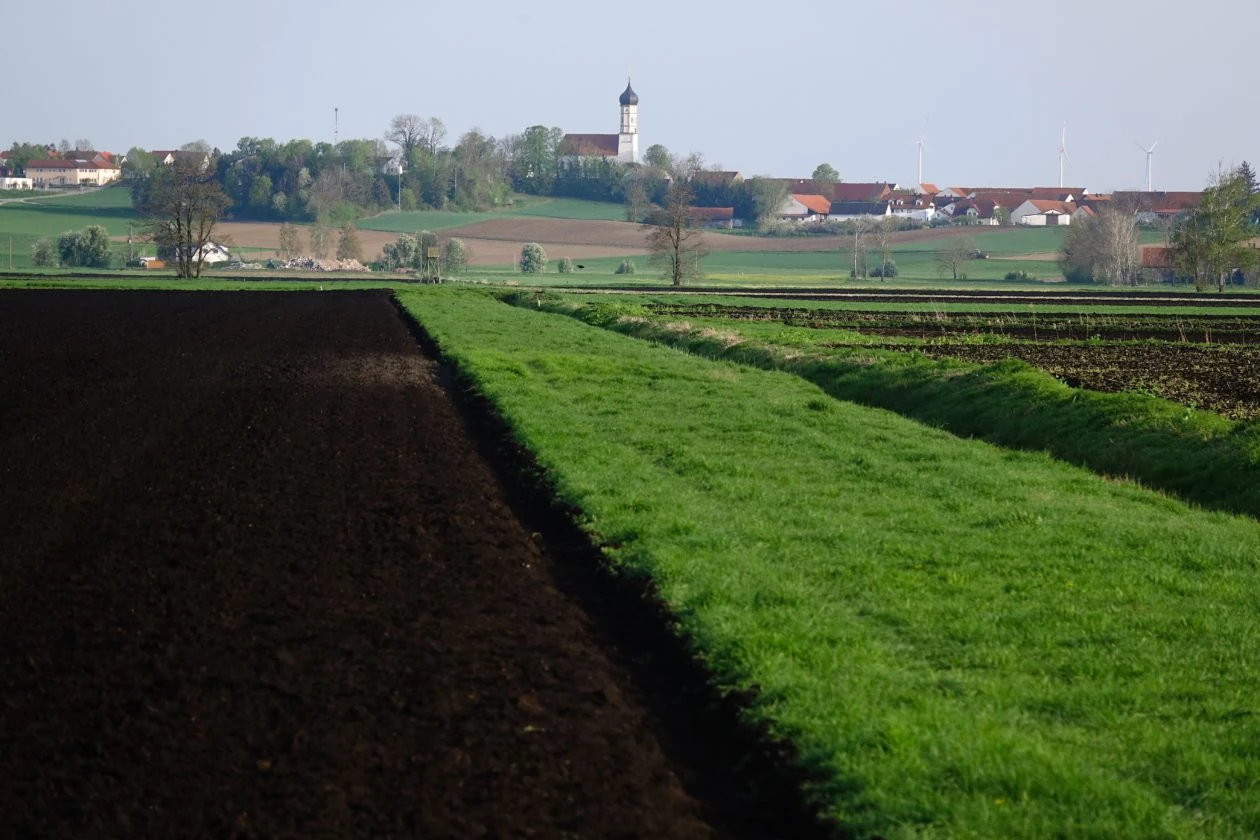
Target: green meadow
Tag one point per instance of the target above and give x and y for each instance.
(964, 640)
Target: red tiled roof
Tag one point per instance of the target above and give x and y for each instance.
(52, 164)
(930, 189)
(815, 203)
(1159, 202)
(1046, 206)
(590, 145)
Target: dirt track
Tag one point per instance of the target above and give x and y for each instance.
(257, 582)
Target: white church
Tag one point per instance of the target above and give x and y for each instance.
(622, 147)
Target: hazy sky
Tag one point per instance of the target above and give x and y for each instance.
(765, 88)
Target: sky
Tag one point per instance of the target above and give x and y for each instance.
(765, 89)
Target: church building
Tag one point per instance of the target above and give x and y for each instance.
(622, 147)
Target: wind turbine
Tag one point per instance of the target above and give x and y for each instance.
(1063, 155)
(1150, 156)
(922, 144)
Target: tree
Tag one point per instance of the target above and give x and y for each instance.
(43, 253)
(825, 178)
(454, 256)
(768, 197)
(317, 237)
(533, 259)
(349, 246)
(139, 164)
(20, 154)
(181, 204)
(883, 235)
(658, 157)
(401, 252)
(858, 245)
(674, 240)
(407, 131)
(289, 245)
(952, 259)
(83, 144)
(88, 248)
(1212, 241)
(1103, 249)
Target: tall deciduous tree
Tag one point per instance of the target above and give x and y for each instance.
(768, 197)
(289, 245)
(674, 239)
(349, 246)
(825, 178)
(952, 259)
(1212, 241)
(181, 204)
(408, 131)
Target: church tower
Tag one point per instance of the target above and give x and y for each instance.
(628, 140)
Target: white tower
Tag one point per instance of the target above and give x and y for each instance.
(628, 140)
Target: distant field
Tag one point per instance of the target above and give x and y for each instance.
(45, 215)
(555, 208)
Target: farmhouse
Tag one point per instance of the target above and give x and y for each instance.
(804, 208)
(713, 217)
(1039, 213)
(622, 147)
(1152, 207)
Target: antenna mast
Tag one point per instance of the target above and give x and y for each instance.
(336, 121)
(1062, 154)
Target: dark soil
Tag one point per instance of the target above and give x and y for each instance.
(258, 582)
(1221, 379)
(1079, 326)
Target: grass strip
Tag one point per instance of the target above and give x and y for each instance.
(967, 641)
(1200, 456)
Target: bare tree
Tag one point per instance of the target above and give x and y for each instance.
(349, 246)
(952, 258)
(859, 243)
(1103, 249)
(408, 131)
(318, 239)
(673, 238)
(883, 236)
(181, 204)
(289, 246)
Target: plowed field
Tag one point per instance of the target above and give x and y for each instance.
(257, 582)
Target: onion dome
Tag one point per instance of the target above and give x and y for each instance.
(629, 97)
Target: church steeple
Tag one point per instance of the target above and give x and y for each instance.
(628, 142)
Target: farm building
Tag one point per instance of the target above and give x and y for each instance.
(713, 217)
(843, 211)
(1043, 213)
(804, 208)
(980, 211)
(622, 147)
(9, 180)
(71, 173)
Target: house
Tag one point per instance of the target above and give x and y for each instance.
(62, 173)
(713, 217)
(805, 208)
(622, 147)
(211, 253)
(844, 211)
(9, 180)
(166, 157)
(907, 204)
(978, 211)
(1154, 207)
(1043, 213)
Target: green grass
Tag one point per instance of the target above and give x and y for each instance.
(48, 217)
(1199, 456)
(968, 641)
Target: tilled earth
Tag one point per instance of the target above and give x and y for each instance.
(257, 582)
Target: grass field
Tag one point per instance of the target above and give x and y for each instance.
(968, 641)
(43, 216)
